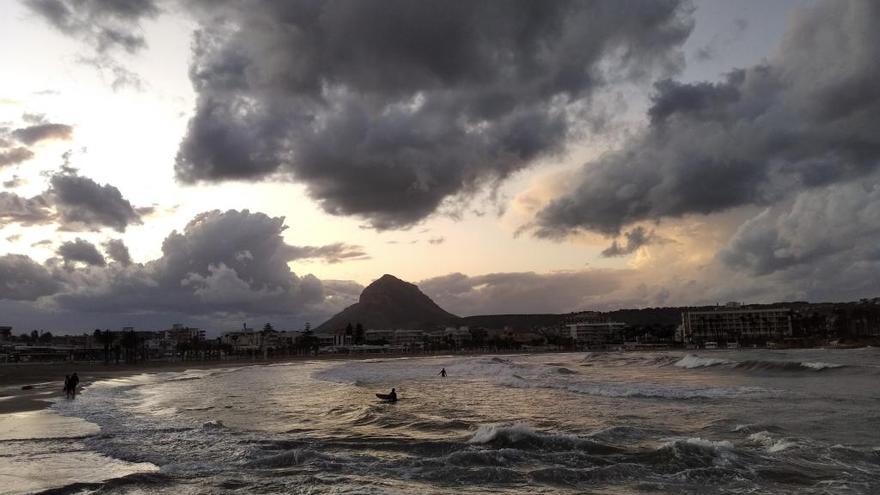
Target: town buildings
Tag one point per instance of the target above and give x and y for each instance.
(592, 329)
(735, 324)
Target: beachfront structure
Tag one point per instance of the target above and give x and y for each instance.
(459, 336)
(249, 340)
(592, 333)
(742, 325)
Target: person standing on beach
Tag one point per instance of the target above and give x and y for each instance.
(74, 381)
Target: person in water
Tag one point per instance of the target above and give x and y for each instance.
(443, 372)
(74, 381)
(392, 396)
(67, 386)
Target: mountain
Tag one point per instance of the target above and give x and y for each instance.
(390, 303)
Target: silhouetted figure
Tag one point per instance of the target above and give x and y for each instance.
(74, 381)
(443, 372)
(67, 386)
(392, 396)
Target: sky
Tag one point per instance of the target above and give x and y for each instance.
(214, 162)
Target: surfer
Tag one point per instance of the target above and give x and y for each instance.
(443, 372)
(392, 397)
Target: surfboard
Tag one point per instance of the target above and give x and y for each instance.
(385, 397)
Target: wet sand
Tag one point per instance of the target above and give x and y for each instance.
(32, 386)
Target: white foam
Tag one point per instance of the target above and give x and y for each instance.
(693, 361)
(818, 365)
(770, 443)
(28, 474)
(700, 442)
(43, 424)
(516, 433)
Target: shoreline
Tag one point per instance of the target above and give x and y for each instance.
(44, 381)
(34, 386)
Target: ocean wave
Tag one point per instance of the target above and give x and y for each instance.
(524, 437)
(151, 479)
(693, 361)
(770, 443)
(694, 452)
(789, 366)
(291, 457)
(214, 424)
(636, 390)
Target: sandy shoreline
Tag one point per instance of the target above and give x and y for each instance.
(45, 380)
(30, 387)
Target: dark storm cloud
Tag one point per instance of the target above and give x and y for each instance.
(25, 211)
(525, 292)
(41, 132)
(118, 251)
(80, 251)
(82, 203)
(22, 279)
(836, 225)
(102, 23)
(635, 239)
(385, 109)
(232, 263)
(806, 118)
(330, 253)
(222, 267)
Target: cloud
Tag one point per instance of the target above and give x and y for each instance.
(104, 24)
(22, 279)
(330, 253)
(118, 251)
(41, 132)
(437, 240)
(13, 237)
(82, 203)
(14, 182)
(837, 225)
(526, 292)
(13, 156)
(804, 119)
(385, 110)
(25, 211)
(203, 271)
(719, 40)
(80, 251)
(635, 239)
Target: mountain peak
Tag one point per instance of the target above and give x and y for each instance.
(391, 303)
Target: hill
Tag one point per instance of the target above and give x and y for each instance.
(391, 303)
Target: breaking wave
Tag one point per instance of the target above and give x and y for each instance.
(693, 361)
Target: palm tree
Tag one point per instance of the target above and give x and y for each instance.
(106, 338)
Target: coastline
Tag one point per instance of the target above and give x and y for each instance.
(45, 380)
(31, 387)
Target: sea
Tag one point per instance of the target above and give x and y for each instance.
(707, 422)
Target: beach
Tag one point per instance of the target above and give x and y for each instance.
(726, 422)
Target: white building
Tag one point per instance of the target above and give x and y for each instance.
(736, 325)
(592, 333)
